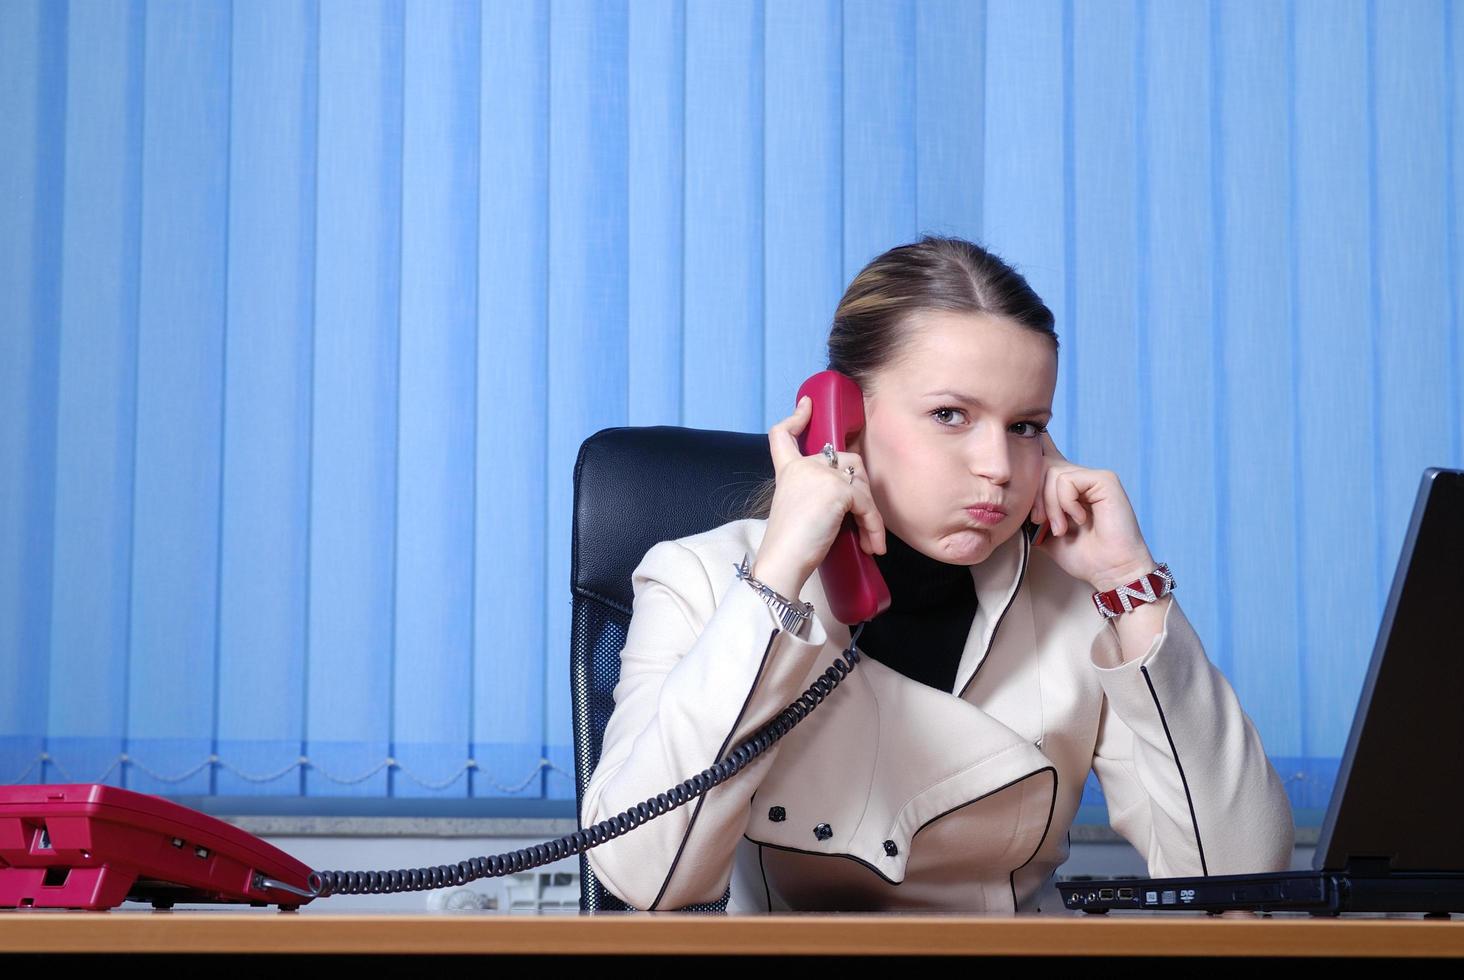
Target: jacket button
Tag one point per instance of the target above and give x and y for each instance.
(777, 815)
(823, 831)
(891, 849)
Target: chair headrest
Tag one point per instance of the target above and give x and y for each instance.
(635, 486)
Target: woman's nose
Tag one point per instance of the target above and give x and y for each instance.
(992, 459)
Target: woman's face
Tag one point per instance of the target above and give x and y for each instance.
(957, 421)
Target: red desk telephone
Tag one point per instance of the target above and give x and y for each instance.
(92, 846)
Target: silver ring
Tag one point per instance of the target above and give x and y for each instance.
(833, 457)
(850, 471)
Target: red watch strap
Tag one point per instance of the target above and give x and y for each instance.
(1146, 588)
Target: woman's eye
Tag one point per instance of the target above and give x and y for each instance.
(1034, 429)
(940, 411)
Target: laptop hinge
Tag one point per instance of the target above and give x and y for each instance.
(1370, 866)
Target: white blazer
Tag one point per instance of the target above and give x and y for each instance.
(893, 795)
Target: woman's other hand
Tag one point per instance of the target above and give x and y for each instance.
(1094, 534)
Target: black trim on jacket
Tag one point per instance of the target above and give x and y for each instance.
(1204, 868)
(1021, 575)
(890, 881)
(703, 798)
(1051, 809)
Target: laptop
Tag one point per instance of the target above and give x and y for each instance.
(1392, 839)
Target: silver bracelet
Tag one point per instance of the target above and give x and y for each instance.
(790, 615)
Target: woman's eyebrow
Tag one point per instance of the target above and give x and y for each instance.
(973, 400)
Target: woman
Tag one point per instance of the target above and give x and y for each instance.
(943, 772)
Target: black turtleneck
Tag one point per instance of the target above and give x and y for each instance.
(932, 606)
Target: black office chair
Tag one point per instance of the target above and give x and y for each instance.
(635, 486)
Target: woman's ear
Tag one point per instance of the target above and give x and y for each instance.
(855, 443)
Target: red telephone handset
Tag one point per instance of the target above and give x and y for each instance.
(851, 579)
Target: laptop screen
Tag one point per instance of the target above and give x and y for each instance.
(1399, 794)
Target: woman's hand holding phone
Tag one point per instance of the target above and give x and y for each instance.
(810, 502)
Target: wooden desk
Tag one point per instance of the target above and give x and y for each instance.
(676, 933)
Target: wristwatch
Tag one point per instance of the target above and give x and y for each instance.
(1150, 587)
(790, 615)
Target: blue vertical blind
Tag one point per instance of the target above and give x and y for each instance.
(305, 309)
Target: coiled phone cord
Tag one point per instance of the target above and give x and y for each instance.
(326, 883)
